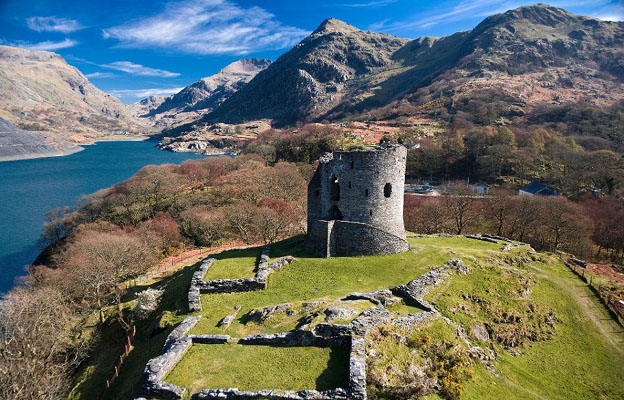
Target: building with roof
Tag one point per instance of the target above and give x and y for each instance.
(537, 188)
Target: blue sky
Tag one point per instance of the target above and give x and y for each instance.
(134, 48)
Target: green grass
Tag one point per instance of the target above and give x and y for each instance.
(234, 365)
(313, 278)
(577, 361)
(234, 264)
(401, 309)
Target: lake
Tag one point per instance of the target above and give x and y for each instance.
(30, 188)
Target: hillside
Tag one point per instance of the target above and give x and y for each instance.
(39, 91)
(530, 56)
(514, 324)
(313, 76)
(18, 144)
(200, 97)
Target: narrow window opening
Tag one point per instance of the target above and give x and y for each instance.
(351, 164)
(370, 212)
(334, 189)
(349, 185)
(334, 213)
(317, 193)
(388, 190)
(366, 192)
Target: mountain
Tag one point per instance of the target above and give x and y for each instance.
(39, 91)
(200, 97)
(527, 56)
(313, 76)
(207, 93)
(17, 144)
(145, 106)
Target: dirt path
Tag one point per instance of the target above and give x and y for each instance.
(594, 310)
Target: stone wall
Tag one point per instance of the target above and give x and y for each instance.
(354, 238)
(176, 345)
(323, 335)
(258, 282)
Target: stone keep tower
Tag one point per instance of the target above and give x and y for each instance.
(355, 203)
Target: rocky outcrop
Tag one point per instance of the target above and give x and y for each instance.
(18, 144)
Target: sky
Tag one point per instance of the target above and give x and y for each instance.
(136, 48)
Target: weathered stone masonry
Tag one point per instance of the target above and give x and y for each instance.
(258, 282)
(355, 203)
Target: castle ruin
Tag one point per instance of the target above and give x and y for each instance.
(355, 203)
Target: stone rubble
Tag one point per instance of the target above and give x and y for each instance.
(482, 237)
(176, 345)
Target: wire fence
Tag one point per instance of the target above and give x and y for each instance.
(122, 359)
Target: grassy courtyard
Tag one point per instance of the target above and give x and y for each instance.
(313, 278)
(234, 264)
(288, 368)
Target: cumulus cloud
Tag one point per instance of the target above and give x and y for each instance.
(53, 24)
(142, 93)
(207, 27)
(138, 69)
(47, 45)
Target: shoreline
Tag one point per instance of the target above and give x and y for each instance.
(76, 149)
(32, 156)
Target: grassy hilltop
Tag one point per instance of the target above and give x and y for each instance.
(550, 336)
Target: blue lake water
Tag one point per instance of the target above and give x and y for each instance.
(30, 188)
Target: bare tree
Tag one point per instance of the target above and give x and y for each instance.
(462, 206)
(36, 354)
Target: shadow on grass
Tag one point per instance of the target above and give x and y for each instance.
(337, 372)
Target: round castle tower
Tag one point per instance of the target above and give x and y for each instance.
(355, 203)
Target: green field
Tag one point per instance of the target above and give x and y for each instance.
(578, 354)
(288, 368)
(234, 264)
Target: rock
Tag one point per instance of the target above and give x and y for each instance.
(480, 333)
(336, 312)
(384, 297)
(263, 314)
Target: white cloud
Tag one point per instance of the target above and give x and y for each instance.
(47, 45)
(610, 13)
(100, 75)
(611, 17)
(373, 3)
(208, 27)
(142, 93)
(469, 9)
(53, 24)
(138, 69)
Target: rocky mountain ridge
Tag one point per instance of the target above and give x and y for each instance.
(531, 55)
(200, 97)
